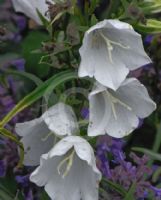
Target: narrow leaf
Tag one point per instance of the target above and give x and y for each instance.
(38, 93)
(153, 155)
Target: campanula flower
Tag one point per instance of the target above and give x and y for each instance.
(69, 171)
(117, 113)
(110, 49)
(29, 8)
(38, 135)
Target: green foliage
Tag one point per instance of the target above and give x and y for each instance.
(31, 43)
(43, 89)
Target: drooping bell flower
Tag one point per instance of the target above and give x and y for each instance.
(111, 49)
(117, 113)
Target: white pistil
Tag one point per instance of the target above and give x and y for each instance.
(110, 47)
(115, 100)
(69, 161)
(46, 137)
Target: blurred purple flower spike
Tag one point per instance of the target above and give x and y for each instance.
(19, 64)
(148, 39)
(85, 113)
(2, 168)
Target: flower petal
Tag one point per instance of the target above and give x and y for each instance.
(34, 133)
(81, 182)
(100, 111)
(61, 119)
(134, 56)
(96, 62)
(124, 124)
(136, 96)
(110, 49)
(29, 8)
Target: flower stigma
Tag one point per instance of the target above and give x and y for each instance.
(115, 100)
(68, 161)
(109, 46)
(47, 136)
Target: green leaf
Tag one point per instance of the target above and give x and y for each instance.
(130, 194)
(152, 26)
(150, 153)
(94, 20)
(40, 91)
(6, 133)
(116, 187)
(27, 75)
(151, 6)
(31, 43)
(156, 174)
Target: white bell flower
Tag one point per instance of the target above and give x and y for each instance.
(117, 112)
(29, 8)
(110, 49)
(69, 171)
(38, 135)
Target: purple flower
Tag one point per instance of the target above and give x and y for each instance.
(21, 22)
(85, 113)
(23, 180)
(157, 191)
(148, 39)
(2, 168)
(29, 195)
(19, 64)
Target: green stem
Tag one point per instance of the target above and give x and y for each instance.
(157, 143)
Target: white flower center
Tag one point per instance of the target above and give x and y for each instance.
(115, 100)
(68, 161)
(109, 45)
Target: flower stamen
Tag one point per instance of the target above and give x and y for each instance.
(69, 161)
(46, 137)
(115, 100)
(110, 47)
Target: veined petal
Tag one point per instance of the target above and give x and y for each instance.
(61, 120)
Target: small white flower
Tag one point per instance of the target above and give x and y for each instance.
(69, 171)
(29, 8)
(110, 49)
(117, 112)
(38, 134)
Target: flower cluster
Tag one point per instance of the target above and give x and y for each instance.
(65, 161)
(124, 172)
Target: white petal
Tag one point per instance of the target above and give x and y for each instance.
(29, 7)
(136, 96)
(110, 49)
(45, 171)
(34, 133)
(124, 124)
(134, 56)
(110, 24)
(96, 62)
(61, 120)
(81, 181)
(99, 114)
